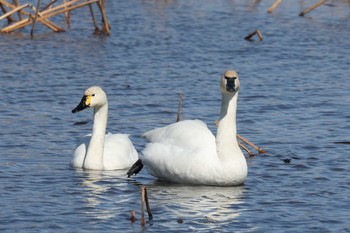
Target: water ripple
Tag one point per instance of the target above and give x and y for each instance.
(294, 103)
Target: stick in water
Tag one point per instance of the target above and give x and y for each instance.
(144, 199)
(143, 206)
(260, 150)
(312, 7)
(179, 107)
(249, 37)
(150, 215)
(133, 216)
(274, 6)
(246, 149)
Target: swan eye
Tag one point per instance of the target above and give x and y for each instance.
(93, 95)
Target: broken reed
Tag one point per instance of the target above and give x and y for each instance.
(43, 15)
(144, 202)
(303, 13)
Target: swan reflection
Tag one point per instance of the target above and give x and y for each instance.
(204, 203)
(98, 190)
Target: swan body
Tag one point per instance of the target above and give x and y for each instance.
(101, 151)
(188, 152)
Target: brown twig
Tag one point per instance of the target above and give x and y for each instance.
(48, 5)
(67, 14)
(142, 206)
(144, 200)
(16, 2)
(46, 14)
(150, 215)
(9, 18)
(42, 15)
(133, 216)
(246, 149)
(46, 22)
(17, 9)
(35, 18)
(260, 150)
(253, 33)
(312, 7)
(274, 5)
(94, 19)
(179, 107)
(105, 24)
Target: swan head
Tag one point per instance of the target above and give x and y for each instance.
(230, 82)
(93, 97)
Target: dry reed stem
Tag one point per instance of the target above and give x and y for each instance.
(67, 14)
(246, 149)
(144, 200)
(143, 206)
(105, 24)
(16, 3)
(150, 215)
(274, 5)
(64, 5)
(46, 22)
(248, 37)
(94, 18)
(49, 5)
(312, 7)
(259, 35)
(45, 15)
(9, 18)
(260, 150)
(179, 107)
(133, 216)
(13, 11)
(35, 18)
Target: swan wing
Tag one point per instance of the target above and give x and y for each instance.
(80, 152)
(188, 134)
(181, 152)
(119, 152)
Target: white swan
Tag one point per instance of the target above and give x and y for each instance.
(188, 152)
(98, 151)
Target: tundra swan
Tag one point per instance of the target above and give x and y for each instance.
(187, 151)
(100, 151)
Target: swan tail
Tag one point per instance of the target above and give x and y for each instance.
(135, 168)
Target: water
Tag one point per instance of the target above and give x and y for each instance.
(294, 103)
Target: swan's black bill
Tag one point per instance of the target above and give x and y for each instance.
(81, 106)
(136, 168)
(230, 84)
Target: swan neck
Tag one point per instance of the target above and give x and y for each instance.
(94, 155)
(226, 139)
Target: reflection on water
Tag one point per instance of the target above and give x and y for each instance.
(294, 102)
(197, 203)
(95, 186)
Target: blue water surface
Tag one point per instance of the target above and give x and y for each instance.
(293, 102)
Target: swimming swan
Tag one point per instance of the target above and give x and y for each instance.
(188, 152)
(104, 152)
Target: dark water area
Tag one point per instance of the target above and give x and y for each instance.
(294, 102)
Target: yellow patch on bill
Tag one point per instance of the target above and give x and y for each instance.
(88, 100)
